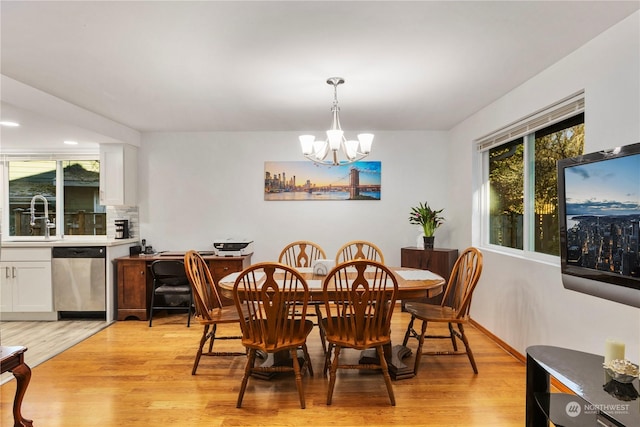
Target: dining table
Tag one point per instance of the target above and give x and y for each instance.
(412, 283)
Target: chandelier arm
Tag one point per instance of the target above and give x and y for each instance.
(336, 140)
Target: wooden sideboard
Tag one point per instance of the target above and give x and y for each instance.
(437, 260)
(134, 281)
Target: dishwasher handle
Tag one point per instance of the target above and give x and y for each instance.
(79, 252)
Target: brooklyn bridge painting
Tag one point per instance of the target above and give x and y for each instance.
(305, 180)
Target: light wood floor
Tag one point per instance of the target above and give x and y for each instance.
(46, 339)
(131, 375)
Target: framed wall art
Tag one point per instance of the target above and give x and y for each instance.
(304, 180)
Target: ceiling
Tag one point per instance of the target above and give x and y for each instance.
(262, 66)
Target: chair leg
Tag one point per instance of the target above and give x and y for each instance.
(307, 359)
(453, 337)
(423, 330)
(213, 337)
(327, 359)
(464, 339)
(298, 374)
(153, 294)
(189, 310)
(247, 372)
(332, 375)
(323, 340)
(408, 333)
(385, 374)
(203, 340)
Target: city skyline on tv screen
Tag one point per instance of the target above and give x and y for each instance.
(602, 209)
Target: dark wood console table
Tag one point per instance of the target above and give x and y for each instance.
(598, 400)
(12, 360)
(134, 281)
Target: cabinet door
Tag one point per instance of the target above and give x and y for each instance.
(118, 174)
(111, 174)
(6, 288)
(132, 285)
(32, 287)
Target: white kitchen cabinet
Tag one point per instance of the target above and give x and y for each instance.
(118, 174)
(25, 280)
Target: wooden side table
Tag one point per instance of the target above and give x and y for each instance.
(12, 359)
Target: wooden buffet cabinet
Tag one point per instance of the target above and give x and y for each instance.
(134, 281)
(437, 260)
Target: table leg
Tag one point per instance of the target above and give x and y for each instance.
(22, 373)
(537, 382)
(280, 358)
(398, 370)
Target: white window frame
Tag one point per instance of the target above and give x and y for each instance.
(524, 128)
(4, 184)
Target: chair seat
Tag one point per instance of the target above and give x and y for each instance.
(292, 341)
(433, 313)
(227, 314)
(346, 338)
(173, 289)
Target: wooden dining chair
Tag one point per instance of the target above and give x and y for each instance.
(302, 254)
(359, 298)
(454, 308)
(359, 249)
(209, 310)
(275, 298)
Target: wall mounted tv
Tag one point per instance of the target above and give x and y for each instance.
(599, 208)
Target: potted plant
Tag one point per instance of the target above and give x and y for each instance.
(429, 219)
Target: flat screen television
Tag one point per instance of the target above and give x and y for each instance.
(599, 214)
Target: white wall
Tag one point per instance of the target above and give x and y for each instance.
(195, 187)
(523, 301)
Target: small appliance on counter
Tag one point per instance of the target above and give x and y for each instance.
(122, 228)
(233, 247)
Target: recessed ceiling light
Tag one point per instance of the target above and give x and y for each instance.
(9, 124)
(71, 142)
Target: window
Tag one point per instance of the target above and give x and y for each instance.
(520, 205)
(71, 189)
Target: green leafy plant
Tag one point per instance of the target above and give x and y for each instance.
(426, 217)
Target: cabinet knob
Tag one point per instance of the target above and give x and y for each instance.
(226, 268)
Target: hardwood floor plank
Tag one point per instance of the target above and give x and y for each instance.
(133, 375)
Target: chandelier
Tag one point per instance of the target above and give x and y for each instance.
(336, 150)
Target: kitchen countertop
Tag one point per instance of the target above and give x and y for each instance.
(30, 242)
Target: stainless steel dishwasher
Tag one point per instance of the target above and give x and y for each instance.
(79, 281)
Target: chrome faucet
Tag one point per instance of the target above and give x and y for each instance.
(47, 223)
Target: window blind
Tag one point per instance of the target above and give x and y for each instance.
(561, 110)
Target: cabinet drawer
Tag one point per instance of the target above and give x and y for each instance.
(221, 268)
(26, 254)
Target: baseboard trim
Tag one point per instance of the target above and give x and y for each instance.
(512, 351)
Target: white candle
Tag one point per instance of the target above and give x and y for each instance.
(613, 350)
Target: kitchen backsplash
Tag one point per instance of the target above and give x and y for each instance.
(123, 212)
